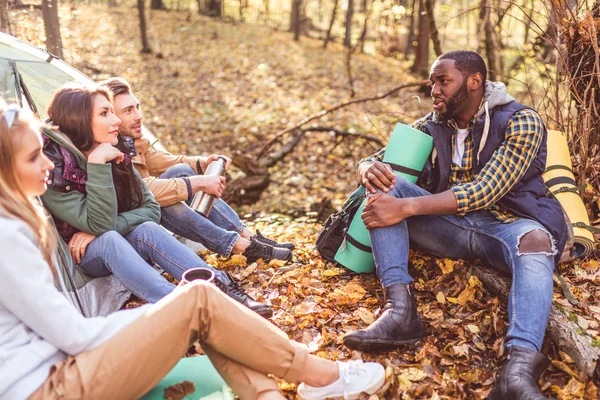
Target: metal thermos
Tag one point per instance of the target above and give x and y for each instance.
(203, 202)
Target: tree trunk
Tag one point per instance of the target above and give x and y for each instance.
(267, 13)
(142, 14)
(411, 31)
(243, 5)
(560, 329)
(349, 15)
(157, 5)
(212, 8)
(421, 64)
(433, 32)
(52, 27)
(492, 48)
(363, 34)
(295, 19)
(4, 21)
(333, 13)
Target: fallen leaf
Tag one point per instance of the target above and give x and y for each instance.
(365, 315)
(440, 297)
(446, 265)
(178, 391)
(236, 260)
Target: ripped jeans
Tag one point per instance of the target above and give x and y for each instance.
(477, 235)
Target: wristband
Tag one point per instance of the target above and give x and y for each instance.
(189, 186)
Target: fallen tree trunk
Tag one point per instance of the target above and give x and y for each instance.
(560, 329)
(247, 189)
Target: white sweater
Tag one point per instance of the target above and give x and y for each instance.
(38, 326)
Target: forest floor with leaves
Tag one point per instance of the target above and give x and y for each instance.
(214, 86)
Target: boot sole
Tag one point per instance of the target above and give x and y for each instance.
(264, 312)
(378, 345)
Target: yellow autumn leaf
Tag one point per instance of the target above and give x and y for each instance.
(473, 328)
(412, 374)
(590, 264)
(474, 281)
(354, 291)
(236, 260)
(440, 297)
(446, 265)
(330, 272)
(277, 263)
(466, 295)
(461, 350)
(365, 315)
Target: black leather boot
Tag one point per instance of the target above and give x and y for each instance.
(258, 249)
(518, 379)
(233, 290)
(398, 324)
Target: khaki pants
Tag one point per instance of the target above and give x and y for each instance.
(242, 346)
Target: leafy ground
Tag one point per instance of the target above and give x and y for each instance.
(211, 86)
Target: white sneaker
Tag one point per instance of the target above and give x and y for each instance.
(356, 377)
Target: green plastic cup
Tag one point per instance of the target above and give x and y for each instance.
(407, 153)
(195, 369)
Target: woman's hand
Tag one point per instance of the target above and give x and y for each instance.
(208, 184)
(104, 153)
(205, 162)
(78, 243)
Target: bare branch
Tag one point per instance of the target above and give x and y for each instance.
(342, 133)
(284, 151)
(320, 114)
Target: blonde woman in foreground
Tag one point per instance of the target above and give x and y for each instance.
(50, 351)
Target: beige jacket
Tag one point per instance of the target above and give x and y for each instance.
(151, 163)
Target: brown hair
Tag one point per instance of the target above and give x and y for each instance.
(117, 86)
(71, 109)
(14, 203)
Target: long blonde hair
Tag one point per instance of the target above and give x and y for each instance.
(14, 203)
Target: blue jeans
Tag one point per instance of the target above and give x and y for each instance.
(477, 235)
(125, 256)
(218, 232)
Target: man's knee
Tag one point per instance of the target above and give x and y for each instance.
(536, 241)
(178, 171)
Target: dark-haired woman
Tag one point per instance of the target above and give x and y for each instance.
(101, 207)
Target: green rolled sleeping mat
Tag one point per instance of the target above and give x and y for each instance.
(407, 153)
(208, 382)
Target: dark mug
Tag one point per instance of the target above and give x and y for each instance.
(195, 274)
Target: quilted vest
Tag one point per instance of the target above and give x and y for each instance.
(528, 198)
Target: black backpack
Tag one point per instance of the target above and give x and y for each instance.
(334, 229)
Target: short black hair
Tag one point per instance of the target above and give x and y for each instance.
(467, 62)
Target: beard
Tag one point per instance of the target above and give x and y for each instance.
(457, 100)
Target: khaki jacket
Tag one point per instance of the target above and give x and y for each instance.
(151, 163)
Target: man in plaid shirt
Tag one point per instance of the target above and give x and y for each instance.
(481, 196)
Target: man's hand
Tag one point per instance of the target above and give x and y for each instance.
(78, 243)
(205, 161)
(208, 184)
(376, 175)
(385, 210)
